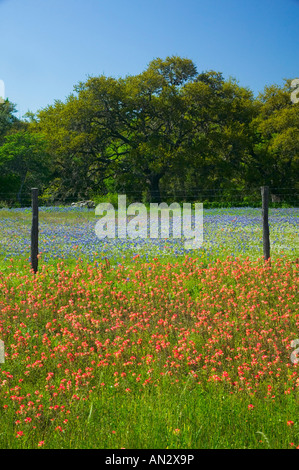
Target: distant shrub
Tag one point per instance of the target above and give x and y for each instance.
(111, 198)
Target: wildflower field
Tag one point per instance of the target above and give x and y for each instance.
(144, 345)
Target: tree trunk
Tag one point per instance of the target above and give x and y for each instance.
(154, 181)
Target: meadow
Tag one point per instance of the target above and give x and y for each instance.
(141, 344)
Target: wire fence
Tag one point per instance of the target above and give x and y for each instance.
(215, 197)
(66, 228)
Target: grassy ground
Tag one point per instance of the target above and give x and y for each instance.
(161, 352)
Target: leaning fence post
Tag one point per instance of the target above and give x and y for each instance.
(34, 230)
(266, 235)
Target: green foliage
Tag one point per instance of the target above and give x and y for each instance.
(8, 120)
(276, 151)
(111, 198)
(24, 162)
(168, 132)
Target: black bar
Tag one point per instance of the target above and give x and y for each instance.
(34, 230)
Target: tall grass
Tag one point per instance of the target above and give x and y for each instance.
(159, 355)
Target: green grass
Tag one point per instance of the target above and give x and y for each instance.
(168, 417)
(174, 325)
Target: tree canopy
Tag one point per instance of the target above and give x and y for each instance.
(168, 130)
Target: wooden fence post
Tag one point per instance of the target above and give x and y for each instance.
(266, 235)
(34, 230)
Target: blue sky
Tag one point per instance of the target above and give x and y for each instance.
(48, 46)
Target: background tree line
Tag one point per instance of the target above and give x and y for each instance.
(169, 133)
